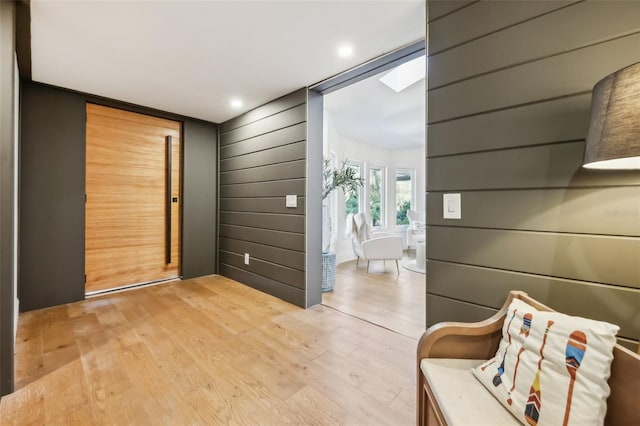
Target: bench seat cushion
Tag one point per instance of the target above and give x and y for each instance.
(462, 399)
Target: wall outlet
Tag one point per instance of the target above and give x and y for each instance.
(246, 258)
(291, 201)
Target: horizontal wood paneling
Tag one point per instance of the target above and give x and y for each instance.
(263, 158)
(604, 211)
(281, 154)
(284, 171)
(278, 222)
(578, 25)
(439, 8)
(442, 309)
(264, 189)
(261, 205)
(618, 305)
(564, 119)
(464, 25)
(274, 107)
(508, 107)
(612, 260)
(571, 73)
(288, 240)
(632, 345)
(289, 276)
(291, 294)
(273, 122)
(545, 166)
(284, 136)
(290, 258)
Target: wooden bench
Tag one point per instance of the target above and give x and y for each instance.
(479, 341)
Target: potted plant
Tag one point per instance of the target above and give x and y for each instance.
(345, 178)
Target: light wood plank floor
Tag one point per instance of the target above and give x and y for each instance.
(382, 296)
(207, 351)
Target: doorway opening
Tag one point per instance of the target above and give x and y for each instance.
(132, 205)
(374, 123)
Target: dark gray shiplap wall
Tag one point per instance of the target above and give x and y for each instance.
(7, 192)
(52, 187)
(262, 159)
(509, 91)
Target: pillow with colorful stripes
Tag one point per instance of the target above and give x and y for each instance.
(551, 368)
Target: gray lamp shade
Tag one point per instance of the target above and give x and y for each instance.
(613, 141)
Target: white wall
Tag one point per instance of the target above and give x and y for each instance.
(371, 154)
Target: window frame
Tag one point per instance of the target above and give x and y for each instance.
(360, 166)
(411, 172)
(383, 194)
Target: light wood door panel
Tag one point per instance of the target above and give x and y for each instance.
(125, 235)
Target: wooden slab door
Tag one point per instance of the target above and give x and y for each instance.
(132, 211)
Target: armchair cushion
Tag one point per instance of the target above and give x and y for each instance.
(551, 368)
(383, 248)
(462, 399)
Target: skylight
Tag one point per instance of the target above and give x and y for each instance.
(406, 74)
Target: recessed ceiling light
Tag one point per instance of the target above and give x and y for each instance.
(236, 103)
(406, 74)
(345, 51)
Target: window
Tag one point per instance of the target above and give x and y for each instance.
(333, 204)
(377, 196)
(353, 202)
(404, 195)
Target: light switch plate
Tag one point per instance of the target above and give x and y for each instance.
(246, 258)
(451, 206)
(292, 201)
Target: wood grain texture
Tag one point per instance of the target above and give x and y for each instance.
(382, 297)
(207, 351)
(126, 198)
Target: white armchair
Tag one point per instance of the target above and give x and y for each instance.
(416, 229)
(377, 246)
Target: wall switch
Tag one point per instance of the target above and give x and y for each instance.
(246, 258)
(292, 201)
(451, 206)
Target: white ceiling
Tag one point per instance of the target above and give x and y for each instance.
(192, 57)
(371, 112)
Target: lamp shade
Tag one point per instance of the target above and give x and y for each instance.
(613, 141)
